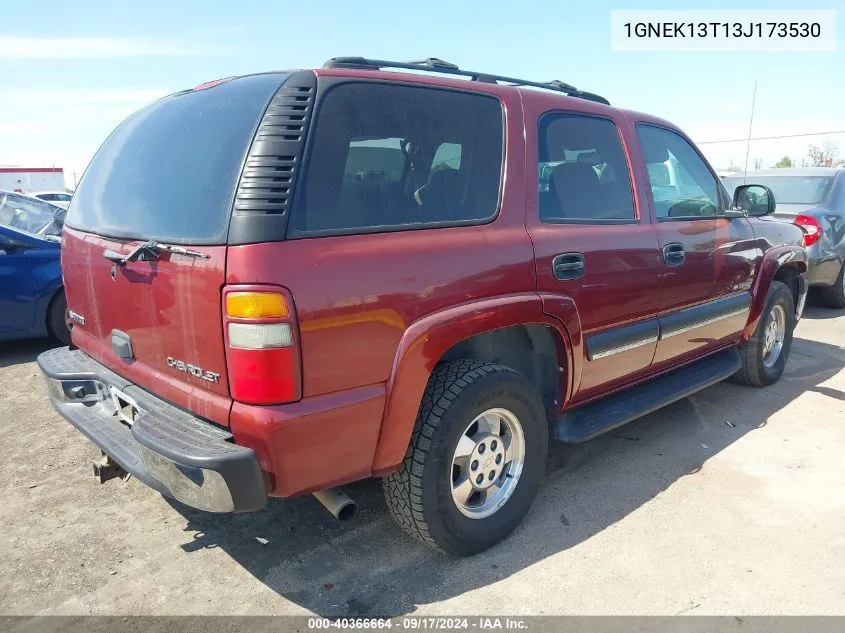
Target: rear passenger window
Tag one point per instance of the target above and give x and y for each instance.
(583, 171)
(387, 157)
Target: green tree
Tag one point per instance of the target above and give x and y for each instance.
(786, 161)
(825, 156)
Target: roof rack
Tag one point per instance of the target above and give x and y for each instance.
(433, 64)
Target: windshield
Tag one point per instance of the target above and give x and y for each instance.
(169, 171)
(787, 189)
(30, 215)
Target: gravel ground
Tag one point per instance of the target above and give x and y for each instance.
(729, 502)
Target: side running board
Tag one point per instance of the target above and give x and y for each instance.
(590, 420)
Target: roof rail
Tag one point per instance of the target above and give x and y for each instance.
(435, 65)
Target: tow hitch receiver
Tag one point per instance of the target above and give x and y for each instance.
(105, 468)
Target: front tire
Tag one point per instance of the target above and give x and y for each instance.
(475, 461)
(57, 318)
(764, 355)
(834, 296)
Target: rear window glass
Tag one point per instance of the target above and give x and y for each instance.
(170, 170)
(387, 157)
(583, 171)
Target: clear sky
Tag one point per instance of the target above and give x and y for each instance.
(71, 71)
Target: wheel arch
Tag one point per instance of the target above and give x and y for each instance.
(472, 330)
(785, 264)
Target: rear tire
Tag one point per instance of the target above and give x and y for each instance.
(57, 324)
(834, 296)
(455, 448)
(764, 355)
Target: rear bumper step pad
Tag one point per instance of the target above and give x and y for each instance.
(166, 448)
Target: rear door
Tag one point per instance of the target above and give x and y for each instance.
(594, 248)
(169, 174)
(708, 260)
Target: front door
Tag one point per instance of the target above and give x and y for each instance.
(597, 257)
(708, 260)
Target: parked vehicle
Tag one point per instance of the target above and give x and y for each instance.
(32, 299)
(59, 198)
(814, 199)
(273, 320)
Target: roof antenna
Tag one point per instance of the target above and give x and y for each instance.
(748, 145)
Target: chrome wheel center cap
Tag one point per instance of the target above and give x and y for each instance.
(486, 462)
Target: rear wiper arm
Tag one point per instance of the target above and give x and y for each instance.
(149, 251)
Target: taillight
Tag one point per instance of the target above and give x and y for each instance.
(262, 352)
(812, 228)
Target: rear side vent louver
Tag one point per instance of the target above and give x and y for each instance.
(265, 190)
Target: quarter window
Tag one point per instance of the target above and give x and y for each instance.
(387, 157)
(583, 171)
(681, 183)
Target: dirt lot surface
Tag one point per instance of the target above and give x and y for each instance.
(732, 501)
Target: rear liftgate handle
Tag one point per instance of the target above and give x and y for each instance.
(568, 266)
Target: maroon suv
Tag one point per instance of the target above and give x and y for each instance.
(285, 282)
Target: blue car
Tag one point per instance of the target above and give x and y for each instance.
(32, 298)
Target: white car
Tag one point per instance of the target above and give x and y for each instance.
(58, 198)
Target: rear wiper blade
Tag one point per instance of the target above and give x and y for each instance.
(149, 251)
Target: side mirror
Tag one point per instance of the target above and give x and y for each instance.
(755, 200)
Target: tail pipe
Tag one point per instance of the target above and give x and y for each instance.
(338, 503)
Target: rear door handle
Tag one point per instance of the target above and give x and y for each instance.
(673, 254)
(568, 266)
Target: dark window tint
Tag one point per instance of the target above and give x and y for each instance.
(583, 171)
(170, 170)
(681, 183)
(387, 157)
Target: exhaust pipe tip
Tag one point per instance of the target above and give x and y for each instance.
(337, 503)
(348, 511)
